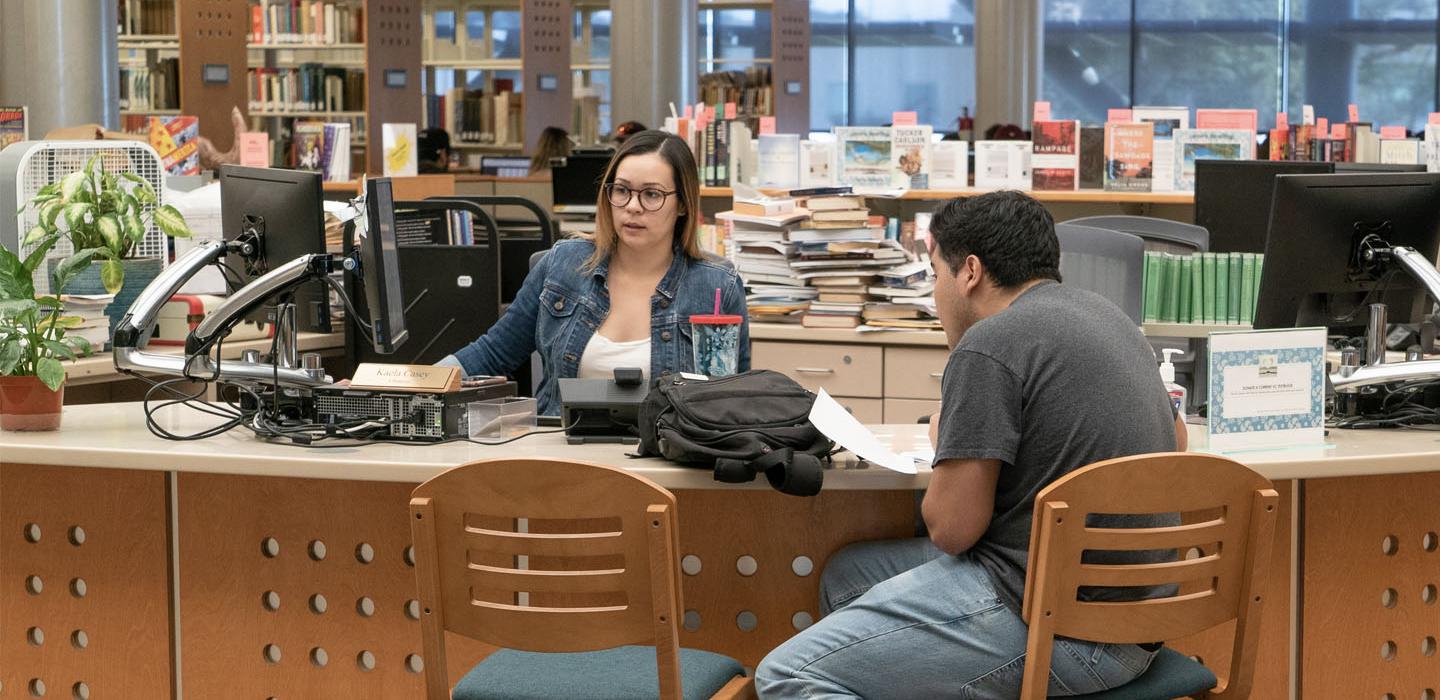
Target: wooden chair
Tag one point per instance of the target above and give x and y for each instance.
(1228, 523)
(570, 562)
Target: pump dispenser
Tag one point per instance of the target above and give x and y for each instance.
(1167, 375)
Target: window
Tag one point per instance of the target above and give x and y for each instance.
(1269, 55)
(505, 34)
(869, 58)
(733, 39)
(475, 30)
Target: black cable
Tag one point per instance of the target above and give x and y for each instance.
(415, 443)
(365, 328)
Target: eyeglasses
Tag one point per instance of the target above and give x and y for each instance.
(651, 199)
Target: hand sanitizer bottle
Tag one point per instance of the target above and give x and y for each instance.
(1167, 375)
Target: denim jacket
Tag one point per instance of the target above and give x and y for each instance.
(561, 304)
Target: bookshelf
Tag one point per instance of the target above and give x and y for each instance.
(770, 83)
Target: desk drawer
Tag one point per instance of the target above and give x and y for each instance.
(914, 373)
(867, 411)
(841, 370)
(909, 410)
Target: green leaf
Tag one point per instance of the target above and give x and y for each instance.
(65, 321)
(10, 308)
(49, 211)
(50, 301)
(70, 268)
(110, 230)
(15, 280)
(90, 164)
(135, 178)
(144, 194)
(71, 184)
(134, 227)
(37, 256)
(80, 345)
(52, 188)
(112, 275)
(58, 349)
(10, 354)
(51, 372)
(172, 222)
(129, 204)
(34, 235)
(75, 214)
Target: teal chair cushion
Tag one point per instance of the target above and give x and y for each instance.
(622, 673)
(1171, 675)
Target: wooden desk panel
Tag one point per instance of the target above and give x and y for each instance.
(114, 640)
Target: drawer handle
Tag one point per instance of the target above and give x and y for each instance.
(938, 375)
(815, 370)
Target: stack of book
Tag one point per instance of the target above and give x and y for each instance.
(1206, 288)
(94, 324)
(904, 298)
(312, 87)
(477, 116)
(323, 146)
(759, 245)
(840, 252)
(306, 22)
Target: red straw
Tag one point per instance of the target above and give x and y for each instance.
(717, 301)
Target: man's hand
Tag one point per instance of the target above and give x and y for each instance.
(935, 431)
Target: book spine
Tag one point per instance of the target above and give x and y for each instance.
(1172, 289)
(1187, 274)
(1211, 264)
(1236, 276)
(1150, 301)
(1197, 288)
(1248, 264)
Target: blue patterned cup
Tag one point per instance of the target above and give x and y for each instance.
(717, 344)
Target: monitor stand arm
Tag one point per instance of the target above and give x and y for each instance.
(1425, 272)
(132, 333)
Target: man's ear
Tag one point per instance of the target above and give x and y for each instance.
(976, 270)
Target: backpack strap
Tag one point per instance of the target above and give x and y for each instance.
(799, 474)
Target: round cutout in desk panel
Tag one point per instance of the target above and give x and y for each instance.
(691, 620)
(801, 620)
(270, 600)
(80, 691)
(34, 585)
(691, 565)
(746, 565)
(319, 657)
(77, 535)
(1427, 646)
(78, 588)
(270, 547)
(364, 553)
(412, 609)
(317, 550)
(1388, 650)
(1429, 541)
(35, 636)
(32, 533)
(271, 653)
(37, 688)
(746, 621)
(409, 555)
(414, 664)
(1427, 694)
(318, 604)
(1427, 594)
(802, 566)
(1389, 597)
(79, 639)
(365, 660)
(1390, 545)
(365, 606)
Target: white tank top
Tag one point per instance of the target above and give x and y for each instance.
(603, 355)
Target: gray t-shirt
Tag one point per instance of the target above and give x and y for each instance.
(1059, 380)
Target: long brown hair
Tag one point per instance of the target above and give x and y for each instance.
(687, 187)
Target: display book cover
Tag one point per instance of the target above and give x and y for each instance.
(175, 139)
(864, 154)
(910, 157)
(1129, 156)
(1055, 160)
(13, 126)
(1208, 144)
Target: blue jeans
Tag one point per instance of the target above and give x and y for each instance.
(904, 620)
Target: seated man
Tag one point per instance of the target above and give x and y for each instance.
(1043, 378)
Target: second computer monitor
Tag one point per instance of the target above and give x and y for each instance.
(1232, 199)
(1313, 274)
(283, 209)
(575, 186)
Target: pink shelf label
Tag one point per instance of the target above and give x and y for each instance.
(1353, 111)
(1392, 132)
(904, 119)
(1123, 116)
(767, 125)
(1042, 111)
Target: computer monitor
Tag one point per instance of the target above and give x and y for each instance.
(575, 185)
(1379, 167)
(1312, 274)
(1232, 199)
(505, 166)
(282, 209)
(380, 267)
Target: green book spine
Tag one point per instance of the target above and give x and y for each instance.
(1232, 315)
(1170, 312)
(1197, 288)
(1150, 302)
(1255, 297)
(1247, 289)
(1222, 286)
(1187, 271)
(1207, 300)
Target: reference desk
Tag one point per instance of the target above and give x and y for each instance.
(233, 568)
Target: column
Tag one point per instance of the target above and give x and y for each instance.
(1009, 39)
(653, 59)
(59, 58)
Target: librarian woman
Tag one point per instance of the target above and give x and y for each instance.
(624, 296)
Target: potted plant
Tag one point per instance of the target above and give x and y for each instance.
(33, 339)
(107, 213)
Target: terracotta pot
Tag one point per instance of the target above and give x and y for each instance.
(27, 404)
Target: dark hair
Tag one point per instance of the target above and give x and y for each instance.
(553, 143)
(431, 141)
(628, 129)
(687, 191)
(1012, 234)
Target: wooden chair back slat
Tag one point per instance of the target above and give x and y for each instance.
(1123, 575)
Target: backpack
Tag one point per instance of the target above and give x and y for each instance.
(740, 425)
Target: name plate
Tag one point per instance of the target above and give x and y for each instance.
(416, 378)
(1267, 388)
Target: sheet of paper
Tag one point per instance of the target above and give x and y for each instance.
(837, 424)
